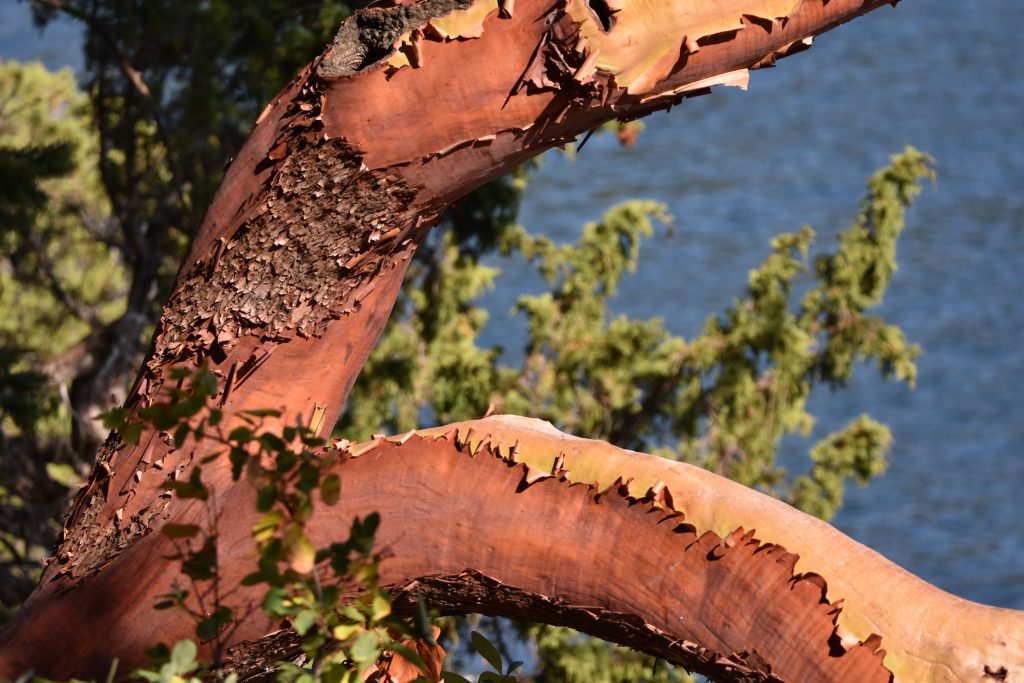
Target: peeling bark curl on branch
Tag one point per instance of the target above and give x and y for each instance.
(507, 516)
(664, 557)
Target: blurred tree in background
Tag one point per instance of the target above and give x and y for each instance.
(101, 189)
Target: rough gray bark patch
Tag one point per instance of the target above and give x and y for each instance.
(91, 540)
(370, 34)
(324, 229)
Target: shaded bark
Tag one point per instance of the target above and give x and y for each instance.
(290, 280)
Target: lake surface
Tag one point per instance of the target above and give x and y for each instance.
(737, 168)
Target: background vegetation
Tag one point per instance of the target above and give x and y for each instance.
(101, 188)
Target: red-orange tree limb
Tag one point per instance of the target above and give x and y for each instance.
(290, 281)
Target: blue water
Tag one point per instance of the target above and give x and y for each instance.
(736, 168)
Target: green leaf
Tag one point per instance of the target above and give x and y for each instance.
(131, 432)
(422, 622)
(241, 435)
(486, 649)
(286, 461)
(179, 373)
(380, 608)
(299, 552)
(309, 473)
(193, 488)
(304, 620)
(112, 672)
(264, 529)
(254, 578)
(363, 532)
(157, 654)
(274, 601)
(201, 565)
(452, 677)
(206, 383)
(352, 613)
(115, 419)
(63, 473)
(343, 632)
(162, 416)
(366, 649)
(272, 443)
(301, 505)
(313, 441)
(183, 657)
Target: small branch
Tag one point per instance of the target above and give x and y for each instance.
(134, 77)
(54, 286)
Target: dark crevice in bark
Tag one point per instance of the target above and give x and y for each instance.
(472, 592)
(731, 607)
(369, 35)
(999, 674)
(604, 13)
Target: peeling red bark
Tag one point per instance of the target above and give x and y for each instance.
(619, 567)
(289, 283)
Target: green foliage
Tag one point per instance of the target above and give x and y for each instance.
(499, 673)
(46, 269)
(581, 368)
(331, 596)
(199, 75)
(171, 91)
(57, 274)
(565, 656)
(177, 664)
(24, 398)
(723, 400)
(99, 194)
(856, 276)
(857, 451)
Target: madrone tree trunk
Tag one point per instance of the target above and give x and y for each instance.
(289, 283)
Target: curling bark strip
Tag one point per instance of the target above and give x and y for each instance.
(473, 530)
(295, 269)
(927, 634)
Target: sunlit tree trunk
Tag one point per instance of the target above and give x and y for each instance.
(290, 281)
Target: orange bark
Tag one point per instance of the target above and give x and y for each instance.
(293, 274)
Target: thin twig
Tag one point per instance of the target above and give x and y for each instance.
(134, 77)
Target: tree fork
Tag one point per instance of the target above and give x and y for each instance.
(292, 276)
